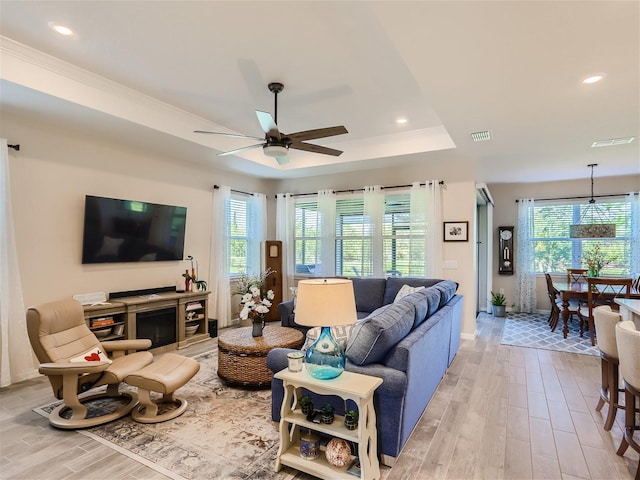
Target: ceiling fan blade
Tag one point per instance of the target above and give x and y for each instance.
(317, 133)
(242, 149)
(309, 147)
(268, 124)
(282, 160)
(232, 135)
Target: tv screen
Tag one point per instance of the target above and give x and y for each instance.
(131, 231)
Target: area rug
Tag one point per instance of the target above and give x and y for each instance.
(532, 331)
(226, 433)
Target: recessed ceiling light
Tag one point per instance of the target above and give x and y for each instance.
(61, 29)
(593, 78)
(401, 120)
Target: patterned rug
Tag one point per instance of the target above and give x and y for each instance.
(226, 433)
(531, 330)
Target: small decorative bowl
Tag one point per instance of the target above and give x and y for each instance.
(102, 332)
(190, 329)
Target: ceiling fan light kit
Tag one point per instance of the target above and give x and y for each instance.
(277, 144)
(598, 227)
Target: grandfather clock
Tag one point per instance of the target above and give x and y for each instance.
(273, 260)
(505, 251)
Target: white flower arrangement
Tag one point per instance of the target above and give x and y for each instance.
(254, 306)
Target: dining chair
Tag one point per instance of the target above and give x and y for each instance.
(576, 275)
(556, 303)
(628, 341)
(605, 321)
(602, 291)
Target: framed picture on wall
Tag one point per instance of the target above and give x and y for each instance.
(456, 231)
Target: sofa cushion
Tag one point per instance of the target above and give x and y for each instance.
(394, 284)
(426, 303)
(374, 336)
(369, 293)
(447, 289)
(406, 290)
(340, 334)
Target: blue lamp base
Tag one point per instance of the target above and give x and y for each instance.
(325, 358)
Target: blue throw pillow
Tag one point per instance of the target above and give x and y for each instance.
(373, 337)
(447, 289)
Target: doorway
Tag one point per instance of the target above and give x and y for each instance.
(484, 246)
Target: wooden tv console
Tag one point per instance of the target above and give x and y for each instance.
(191, 310)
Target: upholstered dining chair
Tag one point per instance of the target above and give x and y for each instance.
(75, 362)
(576, 275)
(628, 341)
(603, 291)
(605, 321)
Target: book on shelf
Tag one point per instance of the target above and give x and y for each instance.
(354, 467)
(101, 322)
(118, 330)
(194, 306)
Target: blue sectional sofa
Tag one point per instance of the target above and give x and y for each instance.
(409, 343)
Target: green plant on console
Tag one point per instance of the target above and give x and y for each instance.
(351, 419)
(306, 404)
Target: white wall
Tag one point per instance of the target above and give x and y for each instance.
(506, 213)
(50, 177)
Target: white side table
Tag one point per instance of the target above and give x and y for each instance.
(349, 386)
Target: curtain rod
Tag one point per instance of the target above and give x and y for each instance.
(580, 197)
(352, 190)
(216, 187)
(16, 147)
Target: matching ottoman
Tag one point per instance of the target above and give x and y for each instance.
(164, 375)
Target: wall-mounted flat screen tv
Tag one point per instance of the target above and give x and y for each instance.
(131, 231)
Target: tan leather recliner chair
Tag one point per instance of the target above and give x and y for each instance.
(61, 340)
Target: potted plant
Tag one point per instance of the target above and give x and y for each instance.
(306, 404)
(327, 414)
(351, 419)
(499, 303)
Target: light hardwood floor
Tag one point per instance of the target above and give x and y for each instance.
(501, 412)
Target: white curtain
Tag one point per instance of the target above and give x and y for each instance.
(285, 232)
(16, 358)
(634, 200)
(327, 214)
(524, 267)
(373, 217)
(433, 234)
(257, 206)
(220, 299)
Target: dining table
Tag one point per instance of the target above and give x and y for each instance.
(576, 291)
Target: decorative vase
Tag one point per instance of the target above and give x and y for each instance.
(499, 310)
(258, 325)
(350, 422)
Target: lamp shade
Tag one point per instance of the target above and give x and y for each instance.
(325, 302)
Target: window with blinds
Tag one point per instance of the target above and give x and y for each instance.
(237, 234)
(555, 251)
(402, 247)
(307, 236)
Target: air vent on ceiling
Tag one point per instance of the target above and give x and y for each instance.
(482, 136)
(613, 141)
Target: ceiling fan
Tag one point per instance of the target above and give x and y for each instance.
(277, 144)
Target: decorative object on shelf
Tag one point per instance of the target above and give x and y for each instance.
(191, 282)
(306, 404)
(338, 452)
(499, 304)
(309, 445)
(505, 251)
(325, 303)
(456, 231)
(351, 419)
(593, 222)
(596, 259)
(254, 305)
(190, 329)
(295, 360)
(327, 414)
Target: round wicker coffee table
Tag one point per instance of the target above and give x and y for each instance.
(242, 359)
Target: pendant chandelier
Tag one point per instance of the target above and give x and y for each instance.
(593, 222)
